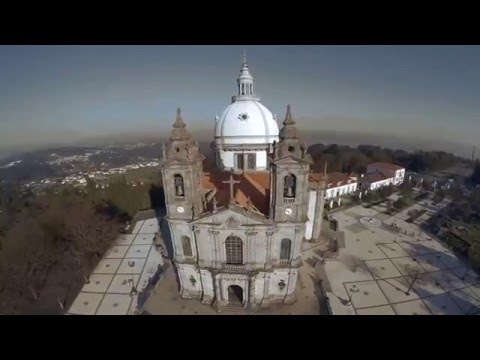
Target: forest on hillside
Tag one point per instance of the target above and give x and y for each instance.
(50, 243)
(343, 158)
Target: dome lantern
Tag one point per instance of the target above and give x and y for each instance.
(245, 82)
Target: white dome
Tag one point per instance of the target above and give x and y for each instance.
(246, 121)
(245, 130)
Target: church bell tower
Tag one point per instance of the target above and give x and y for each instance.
(182, 173)
(290, 169)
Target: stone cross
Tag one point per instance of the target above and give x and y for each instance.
(231, 182)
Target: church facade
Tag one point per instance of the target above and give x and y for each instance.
(237, 231)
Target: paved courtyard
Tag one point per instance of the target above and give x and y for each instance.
(127, 265)
(387, 270)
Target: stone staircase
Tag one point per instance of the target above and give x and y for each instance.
(234, 309)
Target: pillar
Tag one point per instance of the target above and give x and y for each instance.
(318, 217)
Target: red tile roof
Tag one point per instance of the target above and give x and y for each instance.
(339, 179)
(261, 179)
(373, 177)
(334, 179)
(315, 177)
(253, 187)
(385, 165)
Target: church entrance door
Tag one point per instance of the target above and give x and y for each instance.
(235, 295)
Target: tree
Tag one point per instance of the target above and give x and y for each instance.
(128, 199)
(455, 194)
(346, 159)
(386, 191)
(474, 254)
(368, 150)
(358, 162)
(417, 162)
(316, 151)
(475, 199)
(91, 187)
(371, 196)
(475, 178)
(332, 164)
(25, 260)
(406, 187)
(80, 226)
(12, 202)
(439, 195)
(400, 203)
(333, 149)
(381, 156)
(45, 242)
(427, 185)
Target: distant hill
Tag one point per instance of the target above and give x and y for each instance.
(122, 149)
(315, 135)
(55, 162)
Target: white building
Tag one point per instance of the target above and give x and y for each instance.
(340, 184)
(374, 181)
(389, 171)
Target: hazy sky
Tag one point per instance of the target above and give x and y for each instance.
(49, 93)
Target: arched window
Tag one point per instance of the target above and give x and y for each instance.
(187, 246)
(285, 248)
(179, 187)
(234, 250)
(289, 186)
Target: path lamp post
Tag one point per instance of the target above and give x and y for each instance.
(352, 291)
(411, 284)
(134, 291)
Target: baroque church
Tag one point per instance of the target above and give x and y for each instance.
(237, 231)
